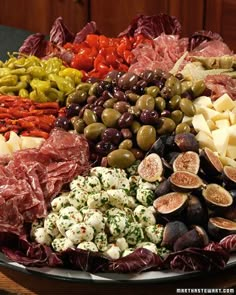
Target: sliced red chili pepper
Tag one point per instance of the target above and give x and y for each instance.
(92, 40)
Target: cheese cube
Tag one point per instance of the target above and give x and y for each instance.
(2, 138)
(232, 118)
(223, 103)
(222, 123)
(205, 140)
(200, 124)
(4, 149)
(226, 161)
(221, 139)
(221, 116)
(207, 112)
(231, 151)
(211, 124)
(31, 142)
(14, 142)
(203, 101)
(187, 120)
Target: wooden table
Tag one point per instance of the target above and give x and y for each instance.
(20, 283)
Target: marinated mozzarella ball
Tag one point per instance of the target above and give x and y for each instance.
(131, 202)
(101, 241)
(64, 223)
(109, 180)
(127, 252)
(145, 196)
(95, 220)
(78, 198)
(50, 224)
(72, 213)
(42, 237)
(92, 184)
(122, 244)
(118, 225)
(149, 246)
(77, 183)
(115, 211)
(60, 202)
(98, 171)
(147, 185)
(134, 180)
(89, 246)
(144, 216)
(97, 200)
(80, 232)
(36, 224)
(113, 251)
(61, 244)
(117, 198)
(124, 184)
(135, 234)
(155, 233)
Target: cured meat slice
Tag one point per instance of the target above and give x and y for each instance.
(211, 48)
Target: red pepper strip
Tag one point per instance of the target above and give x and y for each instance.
(36, 133)
(6, 115)
(46, 105)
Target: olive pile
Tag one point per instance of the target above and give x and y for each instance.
(40, 80)
(124, 114)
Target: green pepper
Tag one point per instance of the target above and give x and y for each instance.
(9, 80)
(38, 96)
(20, 71)
(16, 88)
(26, 78)
(36, 72)
(74, 74)
(23, 93)
(55, 95)
(63, 84)
(52, 65)
(4, 72)
(40, 85)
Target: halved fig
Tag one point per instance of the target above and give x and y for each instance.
(216, 196)
(210, 162)
(187, 161)
(196, 237)
(186, 142)
(195, 213)
(172, 231)
(184, 181)
(219, 227)
(229, 177)
(163, 188)
(151, 168)
(171, 203)
(158, 147)
(230, 212)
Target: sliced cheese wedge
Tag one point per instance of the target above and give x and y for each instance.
(200, 124)
(205, 140)
(14, 142)
(223, 103)
(4, 149)
(31, 142)
(221, 139)
(203, 101)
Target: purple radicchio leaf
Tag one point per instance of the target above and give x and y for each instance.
(59, 33)
(200, 37)
(229, 243)
(89, 28)
(140, 260)
(34, 45)
(153, 26)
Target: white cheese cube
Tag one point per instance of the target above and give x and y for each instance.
(203, 101)
(232, 118)
(223, 103)
(200, 124)
(221, 139)
(231, 151)
(227, 161)
(205, 140)
(4, 149)
(29, 142)
(207, 112)
(14, 142)
(222, 123)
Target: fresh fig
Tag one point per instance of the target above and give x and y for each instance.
(158, 147)
(172, 231)
(184, 181)
(229, 177)
(187, 161)
(210, 162)
(163, 188)
(230, 212)
(171, 203)
(219, 227)
(196, 237)
(195, 213)
(216, 196)
(186, 142)
(151, 168)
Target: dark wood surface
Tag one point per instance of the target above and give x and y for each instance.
(24, 284)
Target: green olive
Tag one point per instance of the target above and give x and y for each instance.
(146, 102)
(126, 144)
(198, 87)
(167, 126)
(182, 128)
(187, 107)
(176, 116)
(78, 124)
(174, 85)
(186, 85)
(93, 90)
(109, 103)
(173, 103)
(134, 111)
(152, 90)
(89, 117)
(110, 117)
(135, 126)
(78, 96)
(84, 86)
(120, 158)
(160, 104)
(94, 130)
(146, 136)
(133, 97)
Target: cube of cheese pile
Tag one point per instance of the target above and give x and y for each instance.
(215, 124)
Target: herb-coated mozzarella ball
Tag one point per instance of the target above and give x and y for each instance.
(95, 220)
(147, 185)
(92, 184)
(42, 237)
(127, 252)
(149, 246)
(50, 224)
(113, 251)
(98, 171)
(101, 241)
(115, 211)
(61, 244)
(122, 244)
(71, 212)
(133, 181)
(132, 203)
(36, 224)
(154, 233)
(124, 184)
(89, 246)
(60, 202)
(64, 223)
(144, 216)
(118, 225)
(135, 234)
(97, 200)
(117, 198)
(78, 198)
(109, 180)
(145, 196)
(77, 183)
(80, 232)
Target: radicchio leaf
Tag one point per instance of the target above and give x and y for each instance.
(201, 37)
(59, 33)
(140, 260)
(153, 26)
(229, 243)
(89, 28)
(34, 45)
